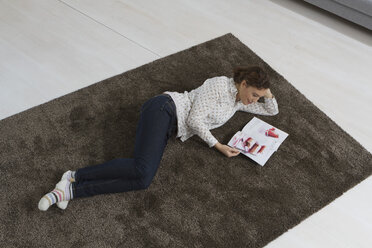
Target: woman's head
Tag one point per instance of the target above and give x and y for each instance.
(252, 83)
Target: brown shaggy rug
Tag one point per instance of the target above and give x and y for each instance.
(199, 197)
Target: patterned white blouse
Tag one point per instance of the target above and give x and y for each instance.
(210, 106)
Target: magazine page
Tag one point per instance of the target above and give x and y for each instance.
(258, 140)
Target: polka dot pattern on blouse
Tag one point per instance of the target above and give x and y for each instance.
(210, 106)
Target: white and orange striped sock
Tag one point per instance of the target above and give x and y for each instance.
(62, 192)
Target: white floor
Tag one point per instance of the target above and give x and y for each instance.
(49, 48)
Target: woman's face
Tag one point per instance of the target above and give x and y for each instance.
(248, 94)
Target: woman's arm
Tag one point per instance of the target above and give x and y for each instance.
(269, 107)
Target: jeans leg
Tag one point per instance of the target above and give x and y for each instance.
(116, 168)
(105, 186)
(120, 175)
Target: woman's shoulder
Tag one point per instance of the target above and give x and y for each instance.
(219, 85)
(218, 80)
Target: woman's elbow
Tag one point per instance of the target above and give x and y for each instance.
(273, 112)
(191, 123)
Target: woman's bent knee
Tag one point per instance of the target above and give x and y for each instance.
(145, 172)
(144, 182)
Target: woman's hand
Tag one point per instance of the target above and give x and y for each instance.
(268, 93)
(227, 150)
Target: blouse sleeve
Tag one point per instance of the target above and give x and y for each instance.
(269, 107)
(196, 120)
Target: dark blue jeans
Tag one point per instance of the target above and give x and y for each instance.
(157, 123)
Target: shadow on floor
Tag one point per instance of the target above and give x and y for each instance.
(335, 22)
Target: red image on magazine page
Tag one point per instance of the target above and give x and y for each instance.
(271, 132)
(258, 140)
(247, 144)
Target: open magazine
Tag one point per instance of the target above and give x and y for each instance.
(258, 140)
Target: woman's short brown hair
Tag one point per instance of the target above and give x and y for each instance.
(254, 76)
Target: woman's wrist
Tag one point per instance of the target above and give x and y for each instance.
(270, 97)
(268, 94)
(218, 145)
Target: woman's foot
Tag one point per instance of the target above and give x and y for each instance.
(61, 193)
(62, 205)
(69, 176)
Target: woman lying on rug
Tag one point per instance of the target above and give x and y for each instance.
(185, 114)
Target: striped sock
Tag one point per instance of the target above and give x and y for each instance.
(62, 192)
(57, 195)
